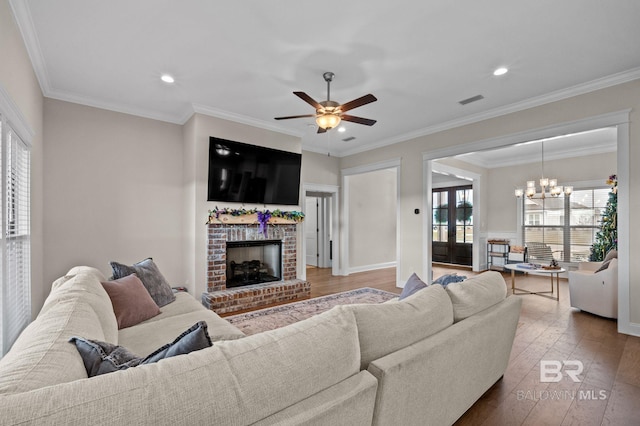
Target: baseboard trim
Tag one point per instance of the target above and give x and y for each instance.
(372, 267)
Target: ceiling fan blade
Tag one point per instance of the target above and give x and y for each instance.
(308, 99)
(366, 99)
(321, 130)
(359, 120)
(294, 116)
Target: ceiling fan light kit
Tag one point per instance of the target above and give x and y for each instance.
(329, 114)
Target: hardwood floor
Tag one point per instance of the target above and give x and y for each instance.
(608, 392)
(323, 283)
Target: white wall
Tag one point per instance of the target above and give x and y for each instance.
(19, 82)
(372, 219)
(113, 190)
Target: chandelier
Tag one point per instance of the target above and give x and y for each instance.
(552, 184)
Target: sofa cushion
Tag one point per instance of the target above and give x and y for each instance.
(385, 328)
(184, 304)
(266, 372)
(476, 294)
(101, 357)
(151, 277)
(131, 302)
(149, 335)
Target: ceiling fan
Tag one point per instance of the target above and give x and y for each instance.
(329, 113)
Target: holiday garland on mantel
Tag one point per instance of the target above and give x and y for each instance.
(607, 236)
(263, 216)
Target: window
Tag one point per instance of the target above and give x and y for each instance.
(563, 228)
(15, 291)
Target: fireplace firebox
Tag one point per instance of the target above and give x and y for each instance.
(253, 262)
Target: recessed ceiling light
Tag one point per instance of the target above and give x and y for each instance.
(341, 129)
(167, 78)
(500, 71)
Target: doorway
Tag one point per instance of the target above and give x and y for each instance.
(453, 225)
(318, 229)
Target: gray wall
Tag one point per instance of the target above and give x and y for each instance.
(372, 219)
(113, 190)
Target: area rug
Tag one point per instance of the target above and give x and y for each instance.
(279, 316)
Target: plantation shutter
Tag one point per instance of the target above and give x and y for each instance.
(16, 245)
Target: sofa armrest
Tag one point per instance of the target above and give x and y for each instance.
(416, 384)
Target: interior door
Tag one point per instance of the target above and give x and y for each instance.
(453, 225)
(311, 230)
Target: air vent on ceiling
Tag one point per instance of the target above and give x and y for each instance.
(350, 138)
(471, 99)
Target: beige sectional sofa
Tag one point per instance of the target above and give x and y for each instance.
(423, 360)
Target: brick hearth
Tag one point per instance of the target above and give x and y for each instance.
(222, 300)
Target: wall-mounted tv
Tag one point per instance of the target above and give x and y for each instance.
(243, 173)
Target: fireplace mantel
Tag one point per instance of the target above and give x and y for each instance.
(248, 219)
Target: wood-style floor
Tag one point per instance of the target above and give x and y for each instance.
(608, 392)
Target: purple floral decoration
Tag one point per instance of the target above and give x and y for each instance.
(263, 219)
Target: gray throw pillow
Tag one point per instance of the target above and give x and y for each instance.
(413, 284)
(447, 279)
(151, 278)
(102, 357)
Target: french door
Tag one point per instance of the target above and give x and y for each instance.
(453, 225)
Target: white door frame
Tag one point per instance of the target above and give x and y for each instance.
(334, 192)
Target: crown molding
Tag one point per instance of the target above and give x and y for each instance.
(22, 18)
(115, 107)
(559, 155)
(243, 119)
(580, 89)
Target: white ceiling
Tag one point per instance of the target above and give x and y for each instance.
(241, 60)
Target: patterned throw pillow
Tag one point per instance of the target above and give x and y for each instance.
(447, 279)
(150, 275)
(102, 357)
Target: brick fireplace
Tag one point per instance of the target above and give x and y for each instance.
(223, 299)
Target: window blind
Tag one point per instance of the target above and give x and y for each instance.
(15, 302)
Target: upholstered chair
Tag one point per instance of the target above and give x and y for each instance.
(595, 292)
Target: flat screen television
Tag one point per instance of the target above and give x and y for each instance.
(244, 173)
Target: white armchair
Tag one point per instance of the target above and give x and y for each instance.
(595, 292)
